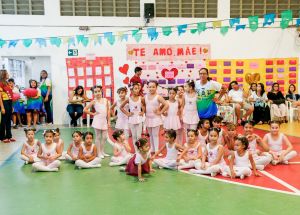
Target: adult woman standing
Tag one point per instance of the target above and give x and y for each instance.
(75, 106)
(261, 112)
(206, 90)
(6, 108)
(46, 91)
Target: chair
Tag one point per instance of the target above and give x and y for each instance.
(291, 111)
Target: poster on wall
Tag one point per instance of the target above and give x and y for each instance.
(170, 65)
(88, 73)
(246, 71)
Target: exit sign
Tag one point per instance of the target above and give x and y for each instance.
(72, 52)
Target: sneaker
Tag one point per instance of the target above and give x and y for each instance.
(242, 177)
(122, 169)
(285, 162)
(213, 174)
(106, 155)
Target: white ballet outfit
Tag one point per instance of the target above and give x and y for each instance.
(276, 146)
(212, 154)
(135, 122)
(31, 151)
(202, 141)
(122, 158)
(153, 121)
(45, 165)
(168, 162)
(63, 153)
(191, 152)
(122, 119)
(92, 164)
(172, 121)
(260, 160)
(190, 116)
(241, 166)
(100, 120)
(74, 152)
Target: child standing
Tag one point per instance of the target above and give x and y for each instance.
(239, 161)
(121, 149)
(190, 114)
(172, 147)
(122, 119)
(140, 163)
(101, 120)
(48, 153)
(180, 131)
(135, 112)
(171, 120)
(87, 156)
(30, 147)
(73, 150)
(34, 105)
(155, 106)
(261, 159)
(275, 140)
(18, 106)
(192, 152)
(214, 153)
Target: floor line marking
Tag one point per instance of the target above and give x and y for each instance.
(281, 182)
(242, 184)
(295, 162)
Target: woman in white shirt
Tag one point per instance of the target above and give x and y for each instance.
(238, 96)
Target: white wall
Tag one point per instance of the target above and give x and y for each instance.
(264, 43)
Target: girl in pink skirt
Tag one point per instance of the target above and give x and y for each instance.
(135, 112)
(172, 120)
(140, 163)
(122, 118)
(101, 120)
(155, 106)
(190, 114)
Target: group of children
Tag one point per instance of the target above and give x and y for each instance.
(207, 150)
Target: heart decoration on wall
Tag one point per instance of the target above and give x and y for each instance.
(252, 78)
(169, 74)
(126, 80)
(124, 69)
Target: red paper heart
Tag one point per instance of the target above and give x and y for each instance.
(126, 80)
(172, 76)
(124, 69)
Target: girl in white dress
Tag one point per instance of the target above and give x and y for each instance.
(88, 153)
(122, 150)
(73, 150)
(30, 147)
(172, 148)
(48, 154)
(171, 120)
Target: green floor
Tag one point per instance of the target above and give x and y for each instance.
(108, 191)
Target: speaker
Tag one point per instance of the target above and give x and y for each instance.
(149, 10)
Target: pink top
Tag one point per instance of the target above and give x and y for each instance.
(32, 150)
(190, 113)
(100, 120)
(172, 121)
(152, 119)
(135, 108)
(122, 120)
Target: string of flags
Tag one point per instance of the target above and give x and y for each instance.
(154, 32)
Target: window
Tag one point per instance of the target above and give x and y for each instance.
(187, 8)
(22, 7)
(124, 8)
(245, 8)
